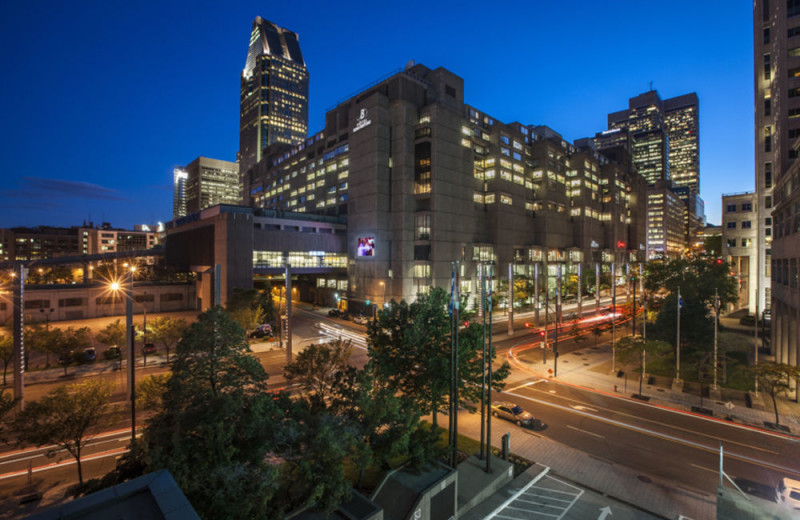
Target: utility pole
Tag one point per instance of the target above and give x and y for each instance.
(714, 386)
(482, 281)
(580, 290)
(19, 334)
(597, 287)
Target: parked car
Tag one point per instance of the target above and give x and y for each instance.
(65, 357)
(264, 327)
(91, 354)
(113, 352)
(361, 319)
(262, 334)
(149, 348)
(512, 412)
(334, 313)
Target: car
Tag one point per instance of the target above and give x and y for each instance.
(788, 493)
(91, 354)
(512, 412)
(262, 334)
(334, 313)
(113, 352)
(149, 348)
(65, 357)
(360, 319)
(264, 327)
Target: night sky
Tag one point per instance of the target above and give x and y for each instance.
(100, 100)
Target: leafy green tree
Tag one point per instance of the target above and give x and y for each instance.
(380, 420)
(150, 391)
(317, 449)
(41, 338)
(218, 424)
(409, 346)
(6, 351)
(64, 419)
(247, 318)
(318, 369)
(637, 349)
(69, 341)
(410, 349)
(774, 380)
(112, 334)
(167, 331)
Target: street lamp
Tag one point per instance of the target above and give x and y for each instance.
(716, 327)
(129, 342)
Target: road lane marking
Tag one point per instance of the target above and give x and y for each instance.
(68, 462)
(716, 470)
(672, 426)
(663, 436)
(583, 408)
(586, 432)
(529, 383)
(522, 490)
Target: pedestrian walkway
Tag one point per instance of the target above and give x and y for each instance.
(622, 488)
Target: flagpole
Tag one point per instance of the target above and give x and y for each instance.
(678, 343)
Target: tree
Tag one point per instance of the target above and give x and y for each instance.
(318, 369)
(6, 351)
(410, 349)
(150, 391)
(167, 331)
(112, 334)
(597, 330)
(638, 349)
(578, 334)
(380, 420)
(69, 341)
(409, 346)
(64, 418)
(774, 380)
(41, 338)
(218, 424)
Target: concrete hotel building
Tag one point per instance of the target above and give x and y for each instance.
(424, 179)
(739, 235)
(274, 93)
(776, 41)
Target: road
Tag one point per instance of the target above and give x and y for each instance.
(676, 446)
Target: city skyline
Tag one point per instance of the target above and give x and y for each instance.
(177, 91)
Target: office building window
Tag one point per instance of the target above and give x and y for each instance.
(731, 242)
(792, 32)
(731, 208)
(768, 201)
(792, 8)
(768, 175)
(767, 107)
(732, 225)
(767, 67)
(746, 242)
(423, 227)
(766, 35)
(747, 206)
(746, 224)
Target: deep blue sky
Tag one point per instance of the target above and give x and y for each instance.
(101, 99)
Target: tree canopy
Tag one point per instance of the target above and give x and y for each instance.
(64, 418)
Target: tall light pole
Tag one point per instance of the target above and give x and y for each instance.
(127, 293)
(613, 317)
(678, 342)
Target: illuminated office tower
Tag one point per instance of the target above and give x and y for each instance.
(210, 182)
(682, 122)
(665, 137)
(274, 93)
(179, 192)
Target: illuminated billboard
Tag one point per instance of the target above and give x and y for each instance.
(366, 246)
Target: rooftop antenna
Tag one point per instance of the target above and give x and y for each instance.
(651, 86)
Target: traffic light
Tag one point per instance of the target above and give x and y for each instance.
(719, 261)
(367, 302)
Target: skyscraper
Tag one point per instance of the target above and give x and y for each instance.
(208, 182)
(665, 137)
(274, 93)
(776, 45)
(179, 177)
